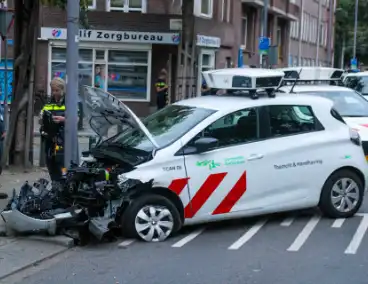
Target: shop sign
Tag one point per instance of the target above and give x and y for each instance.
(208, 41)
(113, 36)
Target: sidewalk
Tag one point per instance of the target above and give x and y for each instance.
(18, 253)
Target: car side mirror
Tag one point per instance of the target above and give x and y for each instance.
(204, 144)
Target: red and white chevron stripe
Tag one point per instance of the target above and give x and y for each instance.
(206, 190)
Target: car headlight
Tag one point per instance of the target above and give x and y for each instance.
(125, 183)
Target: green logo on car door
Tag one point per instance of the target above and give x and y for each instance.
(211, 164)
(234, 161)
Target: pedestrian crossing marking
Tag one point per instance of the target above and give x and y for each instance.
(358, 236)
(248, 235)
(304, 234)
(188, 238)
(287, 222)
(297, 244)
(338, 223)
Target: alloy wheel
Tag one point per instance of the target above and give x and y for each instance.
(345, 195)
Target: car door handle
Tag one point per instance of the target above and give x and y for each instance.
(255, 157)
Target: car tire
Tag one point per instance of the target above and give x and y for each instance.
(341, 185)
(142, 218)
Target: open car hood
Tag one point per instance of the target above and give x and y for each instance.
(104, 111)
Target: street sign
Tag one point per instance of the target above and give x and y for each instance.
(264, 44)
(353, 63)
(240, 58)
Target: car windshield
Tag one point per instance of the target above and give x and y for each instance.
(347, 103)
(357, 83)
(166, 126)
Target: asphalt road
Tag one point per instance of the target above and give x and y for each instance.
(293, 248)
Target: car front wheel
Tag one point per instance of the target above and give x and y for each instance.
(342, 195)
(151, 218)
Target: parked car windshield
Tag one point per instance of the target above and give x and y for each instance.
(166, 126)
(347, 103)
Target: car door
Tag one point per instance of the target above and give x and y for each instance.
(219, 176)
(293, 158)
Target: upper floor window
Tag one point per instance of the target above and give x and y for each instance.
(4, 4)
(126, 5)
(91, 4)
(203, 8)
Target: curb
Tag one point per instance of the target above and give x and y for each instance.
(55, 240)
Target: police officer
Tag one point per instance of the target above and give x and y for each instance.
(162, 90)
(205, 90)
(54, 143)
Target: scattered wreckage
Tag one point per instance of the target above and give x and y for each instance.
(91, 197)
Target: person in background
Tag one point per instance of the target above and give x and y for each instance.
(54, 144)
(162, 90)
(99, 77)
(205, 90)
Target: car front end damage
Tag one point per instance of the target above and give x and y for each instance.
(89, 201)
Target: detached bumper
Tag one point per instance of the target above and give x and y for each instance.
(18, 222)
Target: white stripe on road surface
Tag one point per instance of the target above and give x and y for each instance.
(126, 243)
(248, 235)
(287, 222)
(358, 236)
(304, 234)
(338, 223)
(188, 238)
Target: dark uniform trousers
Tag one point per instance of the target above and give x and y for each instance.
(54, 146)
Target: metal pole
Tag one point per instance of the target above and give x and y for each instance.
(318, 30)
(265, 24)
(71, 114)
(355, 27)
(330, 33)
(6, 106)
(300, 33)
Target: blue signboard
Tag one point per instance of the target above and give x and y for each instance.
(10, 42)
(353, 63)
(264, 44)
(240, 58)
(2, 81)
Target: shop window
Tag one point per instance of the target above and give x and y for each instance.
(91, 4)
(123, 73)
(206, 8)
(126, 5)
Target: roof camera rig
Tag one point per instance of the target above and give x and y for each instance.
(246, 82)
(312, 76)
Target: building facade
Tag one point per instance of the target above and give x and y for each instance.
(308, 43)
(129, 42)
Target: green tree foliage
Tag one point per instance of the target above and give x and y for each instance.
(344, 30)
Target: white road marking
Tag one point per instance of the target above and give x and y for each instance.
(188, 238)
(287, 222)
(304, 234)
(358, 236)
(248, 235)
(338, 223)
(126, 243)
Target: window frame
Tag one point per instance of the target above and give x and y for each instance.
(245, 32)
(106, 48)
(317, 124)
(126, 8)
(200, 133)
(210, 9)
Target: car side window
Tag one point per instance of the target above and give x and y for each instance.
(234, 128)
(291, 119)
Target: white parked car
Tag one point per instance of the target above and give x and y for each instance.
(357, 81)
(348, 103)
(242, 154)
